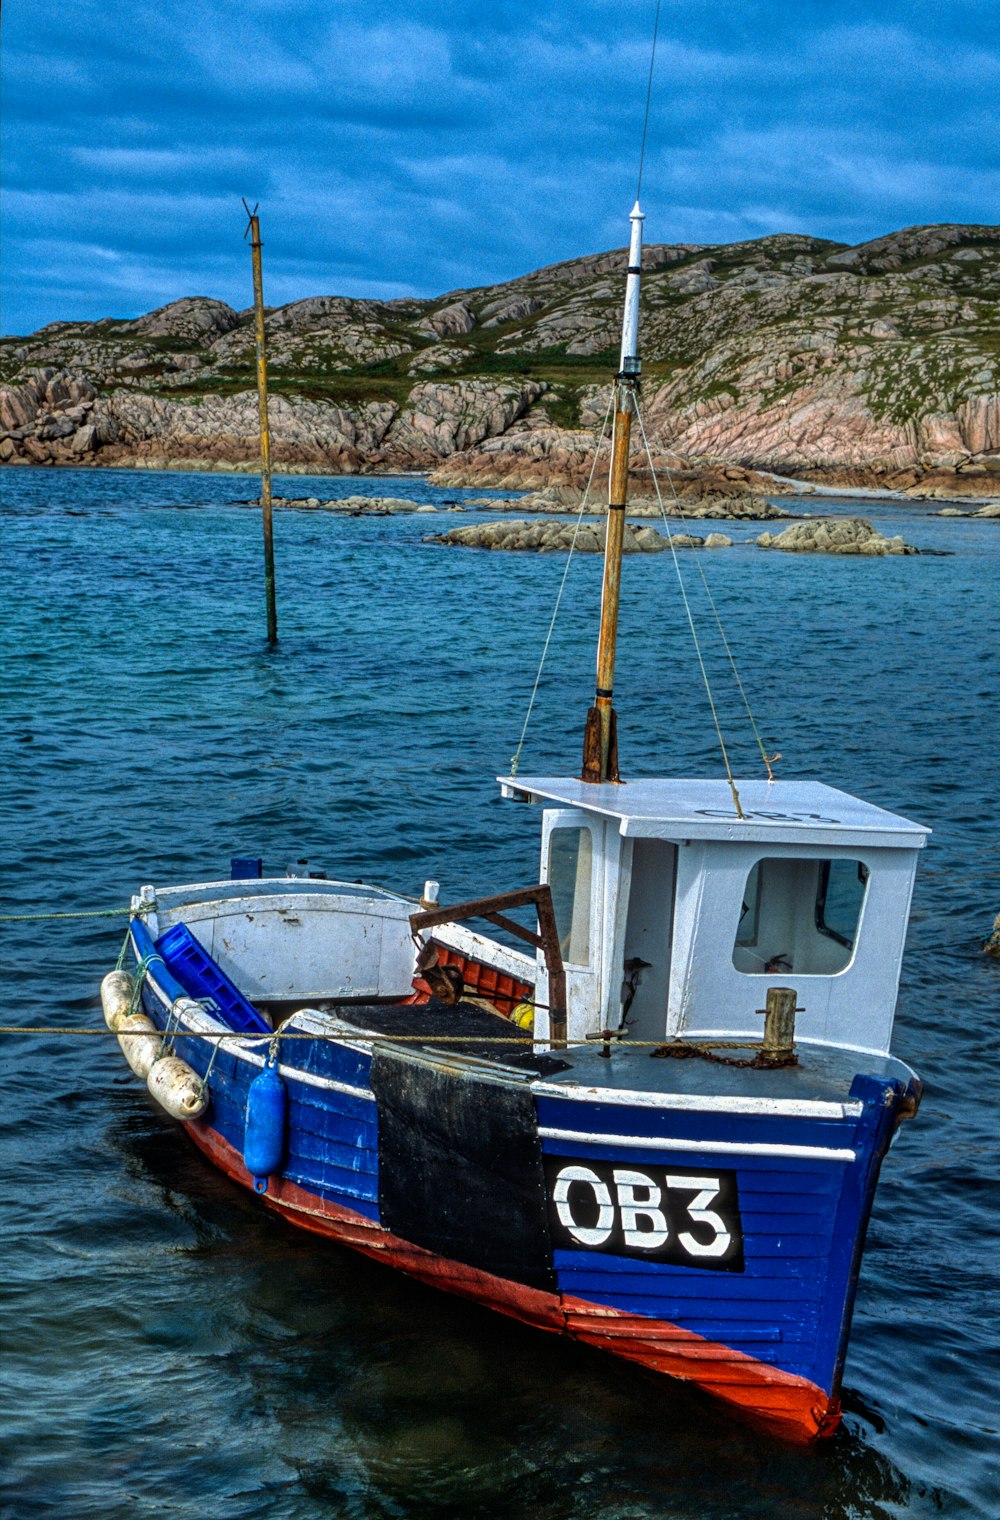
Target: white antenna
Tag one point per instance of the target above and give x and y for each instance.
(629, 362)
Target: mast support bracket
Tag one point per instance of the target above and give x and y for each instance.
(592, 768)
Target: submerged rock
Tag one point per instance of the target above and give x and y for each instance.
(354, 506)
(837, 535)
(990, 509)
(992, 945)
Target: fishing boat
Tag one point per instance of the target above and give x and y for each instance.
(641, 1102)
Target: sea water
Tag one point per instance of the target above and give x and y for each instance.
(171, 1349)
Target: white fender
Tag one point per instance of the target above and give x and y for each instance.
(140, 1041)
(177, 1088)
(117, 992)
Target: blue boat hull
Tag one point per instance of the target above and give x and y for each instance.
(719, 1247)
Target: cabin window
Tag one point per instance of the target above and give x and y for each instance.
(749, 925)
(570, 874)
(799, 916)
(838, 901)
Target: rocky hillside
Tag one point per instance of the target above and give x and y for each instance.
(874, 365)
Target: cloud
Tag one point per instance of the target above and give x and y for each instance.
(413, 148)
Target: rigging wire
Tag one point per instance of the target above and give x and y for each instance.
(768, 760)
(690, 618)
(515, 758)
(649, 95)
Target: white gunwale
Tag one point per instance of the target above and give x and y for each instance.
(603, 1140)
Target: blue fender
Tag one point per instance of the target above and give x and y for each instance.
(264, 1136)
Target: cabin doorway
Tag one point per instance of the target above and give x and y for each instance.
(649, 929)
(574, 867)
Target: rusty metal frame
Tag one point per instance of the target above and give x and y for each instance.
(546, 940)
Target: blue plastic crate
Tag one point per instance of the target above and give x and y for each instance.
(246, 868)
(201, 978)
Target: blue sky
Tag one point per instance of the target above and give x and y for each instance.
(411, 148)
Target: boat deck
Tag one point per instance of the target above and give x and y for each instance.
(822, 1073)
(467, 1034)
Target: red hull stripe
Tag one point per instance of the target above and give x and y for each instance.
(783, 1404)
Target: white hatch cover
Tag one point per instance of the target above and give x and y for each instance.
(798, 812)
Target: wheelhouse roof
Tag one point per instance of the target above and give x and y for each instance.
(779, 812)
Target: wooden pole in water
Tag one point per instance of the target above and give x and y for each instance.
(265, 433)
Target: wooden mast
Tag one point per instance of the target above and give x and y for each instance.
(600, 737)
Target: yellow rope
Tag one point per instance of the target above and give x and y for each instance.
(373, 1039)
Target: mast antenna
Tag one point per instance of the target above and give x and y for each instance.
(649, 96)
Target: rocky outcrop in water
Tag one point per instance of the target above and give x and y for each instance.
(546, 537)
(841, 535)
(991, 510)
(567, 500)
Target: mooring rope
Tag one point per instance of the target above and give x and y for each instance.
(139, 974)
(367, 1037)
(515, 759)
(24, 918)
(123, 954)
